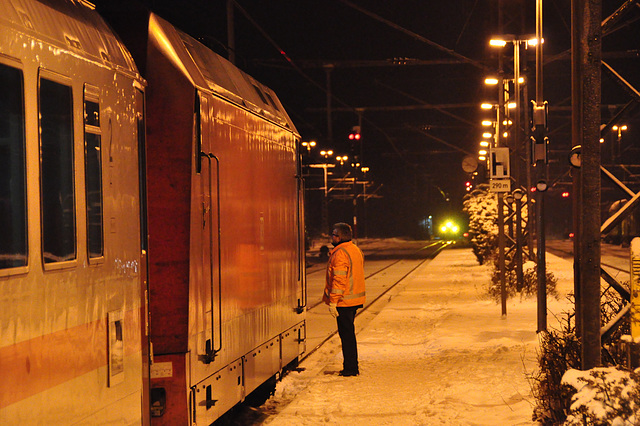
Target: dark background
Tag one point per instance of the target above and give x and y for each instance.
(411, 72)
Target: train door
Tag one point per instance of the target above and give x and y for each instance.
(144, 271)
(208, 282)
(208, 390)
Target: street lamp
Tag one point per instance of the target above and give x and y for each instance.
(619, 129)
(342, 159)
(309, 145)
(326, 154)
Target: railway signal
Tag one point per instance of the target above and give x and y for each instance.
(355, 133)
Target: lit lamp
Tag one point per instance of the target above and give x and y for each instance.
(326, 154)
(620, 129)
(309, 145)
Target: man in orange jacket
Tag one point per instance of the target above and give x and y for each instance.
(344, 292)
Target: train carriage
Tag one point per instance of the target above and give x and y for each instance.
(72, 317)
(226, 269)
(151, 223)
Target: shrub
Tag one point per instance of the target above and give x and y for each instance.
(560, 351)
(605, 396)
(529, 284)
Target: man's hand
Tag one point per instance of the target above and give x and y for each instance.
(333, 310)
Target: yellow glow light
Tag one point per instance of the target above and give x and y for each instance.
(497, 43)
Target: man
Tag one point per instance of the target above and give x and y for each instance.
(344, 292)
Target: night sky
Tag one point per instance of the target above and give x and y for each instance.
(411, 72)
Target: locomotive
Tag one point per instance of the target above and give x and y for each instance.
(151, 223)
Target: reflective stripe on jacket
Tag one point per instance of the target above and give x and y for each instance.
(345, 276)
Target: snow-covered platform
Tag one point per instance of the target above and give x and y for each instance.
(437, 350)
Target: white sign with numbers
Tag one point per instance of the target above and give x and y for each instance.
(500, 185)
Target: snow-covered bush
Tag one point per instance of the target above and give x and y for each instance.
(482, 208)
(560, 352)
(605, 396)
(529, 284)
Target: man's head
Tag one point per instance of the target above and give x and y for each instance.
(341, 233)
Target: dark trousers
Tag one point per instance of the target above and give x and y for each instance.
(347, 332)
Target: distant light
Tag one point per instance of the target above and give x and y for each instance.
(443, 228)
(482, 158)
(511, 105)
(505, 135)
(466, 235)
(486, 106)
(521, 80)
(497, 43)
(534, 42)
(571, 235)
(484, 144)
(487, 135)
(601, 140)
(487, 123)
(491, 81)
(565, 194)
(482, 152)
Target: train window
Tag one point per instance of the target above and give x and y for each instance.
(93, 176)
(56, 173)
(13, 202)
(259, 92)
(271, 101)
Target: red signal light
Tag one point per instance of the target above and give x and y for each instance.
(565, 194)
(355, 133)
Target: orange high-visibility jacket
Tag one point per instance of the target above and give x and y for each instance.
(345, 276)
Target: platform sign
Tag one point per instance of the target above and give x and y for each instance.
(500, 185)
(499, 163)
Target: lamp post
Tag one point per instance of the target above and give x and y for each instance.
(619, 129)
(308, 145)
(325, 200)
(501, 237)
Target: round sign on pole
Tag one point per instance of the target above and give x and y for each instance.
(469, 164)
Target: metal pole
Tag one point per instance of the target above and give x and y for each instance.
(576, 139)
(325, 201)
(517, 141)
(328, 68)
(231, 38)
(501, 237)
(541, 172)
(587, 19)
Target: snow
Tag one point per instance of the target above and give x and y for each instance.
(592, 398)
(438, 352)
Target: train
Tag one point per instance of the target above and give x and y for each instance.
(151, 223)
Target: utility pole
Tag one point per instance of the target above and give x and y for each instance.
(540, 158)
(231, 38)
(586, 57)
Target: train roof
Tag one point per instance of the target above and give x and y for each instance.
(210, 71)
(70, 25)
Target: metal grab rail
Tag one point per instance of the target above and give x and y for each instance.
(302, 278)
(211, 350)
